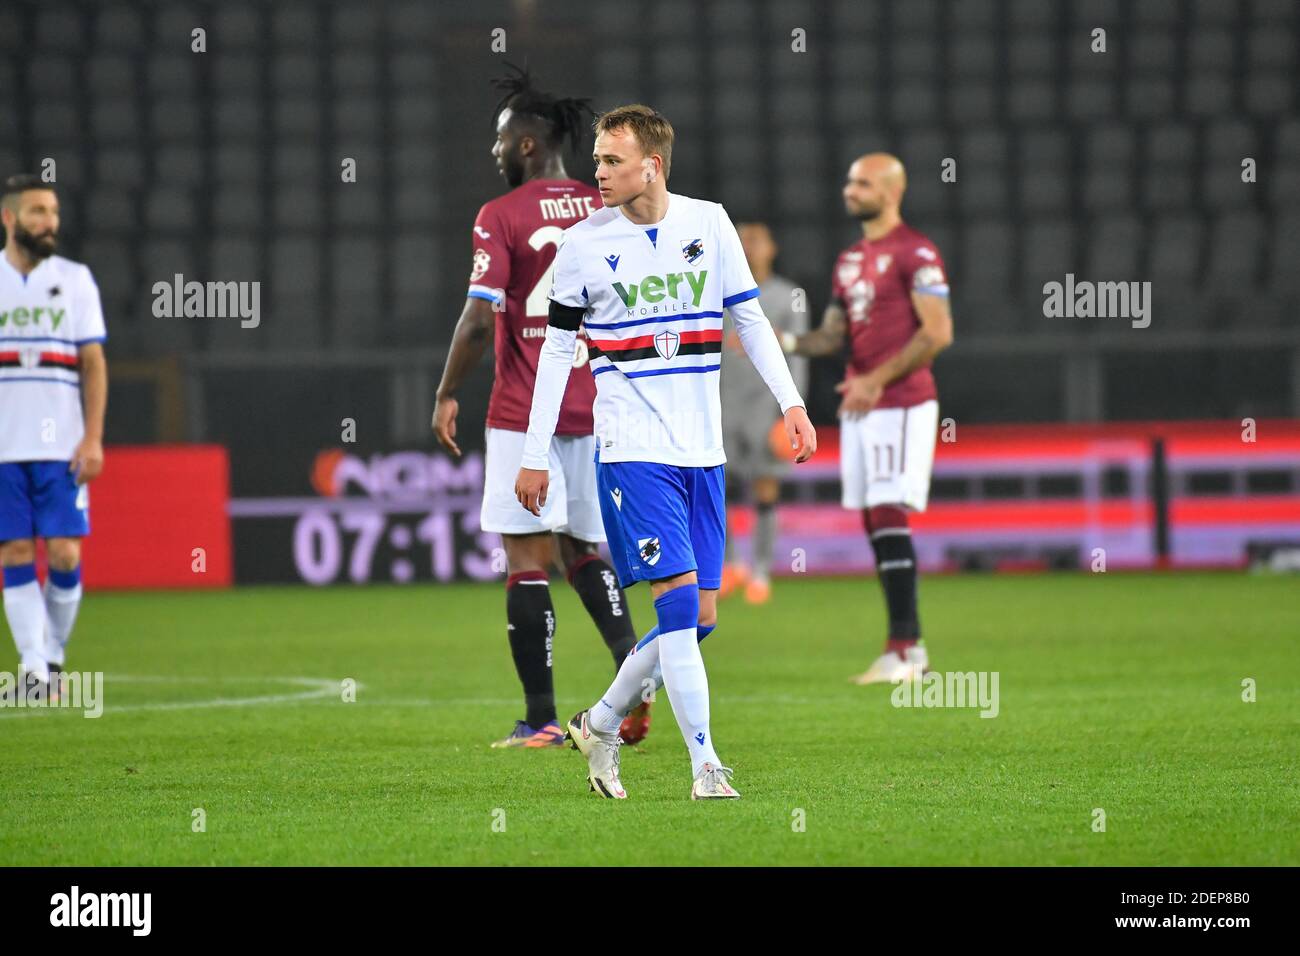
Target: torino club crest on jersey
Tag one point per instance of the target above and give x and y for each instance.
(666, 344)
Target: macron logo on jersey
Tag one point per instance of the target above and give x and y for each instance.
(613, 262)
(656, 288)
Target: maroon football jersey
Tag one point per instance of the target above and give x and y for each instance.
(515, 237)
(874, 282)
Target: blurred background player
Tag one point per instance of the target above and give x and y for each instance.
(889, 292)
(748, 415)
(51, 362)
(514, 241)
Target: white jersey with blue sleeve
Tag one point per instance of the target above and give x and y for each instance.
(651, 298)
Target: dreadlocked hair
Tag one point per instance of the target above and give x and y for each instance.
(565, 117)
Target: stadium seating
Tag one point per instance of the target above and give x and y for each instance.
(1123, 165)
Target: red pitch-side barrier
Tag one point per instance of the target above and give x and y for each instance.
(151, 510)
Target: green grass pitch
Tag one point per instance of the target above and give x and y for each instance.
(1119, 692)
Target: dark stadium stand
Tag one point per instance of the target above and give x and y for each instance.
(1123, 165)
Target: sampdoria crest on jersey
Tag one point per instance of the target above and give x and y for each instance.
(666, 343)
(692, 250)
(481, 262)
(649, 550)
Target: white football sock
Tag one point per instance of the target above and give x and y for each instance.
(61, 605)
(688, 689)
(633, 681)
(25, 612)
(625, 693)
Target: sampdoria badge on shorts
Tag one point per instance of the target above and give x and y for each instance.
(649, 550)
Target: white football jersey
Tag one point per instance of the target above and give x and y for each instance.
(45, 317)
(654, 296)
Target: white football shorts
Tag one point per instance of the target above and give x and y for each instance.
(887, 455)
(572, 504)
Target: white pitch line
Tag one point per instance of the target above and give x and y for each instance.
(319, 688)
(374, 701)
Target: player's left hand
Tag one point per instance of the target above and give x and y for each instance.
(87, 461)
(800, 431)
(531, 487)
(861, 393)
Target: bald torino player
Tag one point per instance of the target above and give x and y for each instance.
(51, 361)
(650, 275)
(514, 243)
(889, 292)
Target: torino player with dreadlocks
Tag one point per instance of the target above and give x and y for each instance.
(514, 241)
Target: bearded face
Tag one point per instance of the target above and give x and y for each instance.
(33, 216)
(39, 245)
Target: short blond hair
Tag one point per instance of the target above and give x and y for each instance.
(650, 127)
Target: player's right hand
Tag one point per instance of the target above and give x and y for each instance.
(800, 431)
(444, 423)
(530, 489)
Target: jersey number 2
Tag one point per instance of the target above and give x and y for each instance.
(538, 301)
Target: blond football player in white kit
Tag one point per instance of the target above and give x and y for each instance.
(51, 362)
(649, 276)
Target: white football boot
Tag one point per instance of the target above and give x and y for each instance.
(601, 752)
(891, 667)
(713, 783)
